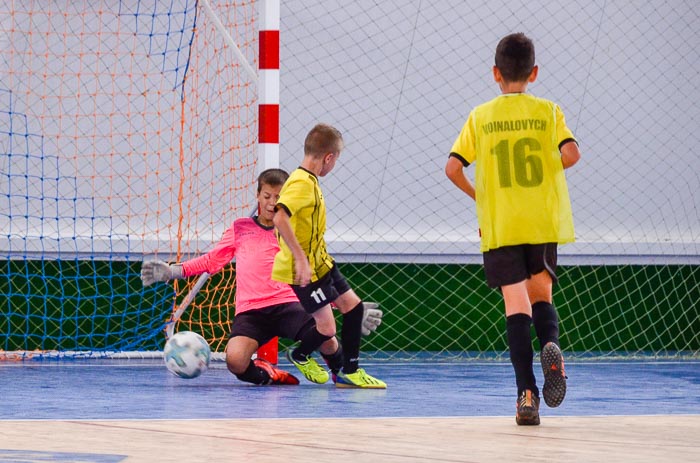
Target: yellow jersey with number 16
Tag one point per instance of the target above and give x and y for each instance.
(521, 192)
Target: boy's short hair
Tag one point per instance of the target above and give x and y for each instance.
(515, 57)
(323, 139)
(272, 177)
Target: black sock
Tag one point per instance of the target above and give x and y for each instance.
(520, 345)
(335, 360)
(254, 375)
(351, 333)
(544, 317)
(311, 340)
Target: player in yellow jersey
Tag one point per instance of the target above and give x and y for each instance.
(304, 263)
(521, 146)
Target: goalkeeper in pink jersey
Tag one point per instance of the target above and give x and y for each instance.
(265, 308)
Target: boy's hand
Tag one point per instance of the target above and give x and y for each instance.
(156, 270)
(371, 318)
(302, 272)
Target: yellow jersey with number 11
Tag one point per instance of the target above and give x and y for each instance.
(521, 192)
(302, 199)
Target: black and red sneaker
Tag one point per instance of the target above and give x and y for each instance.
(527, 409)
(277, 376)
(554, 389)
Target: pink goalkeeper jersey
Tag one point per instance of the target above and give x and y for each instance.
(254, 247)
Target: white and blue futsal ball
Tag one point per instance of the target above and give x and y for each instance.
(187, 354)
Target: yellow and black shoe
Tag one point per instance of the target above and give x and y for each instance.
(310, 369)
(359, 379)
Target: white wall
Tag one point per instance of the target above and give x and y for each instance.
(398, 78)
(91, 110)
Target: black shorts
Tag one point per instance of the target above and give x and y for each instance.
(284, 320)
(324, 291)
(512, 264)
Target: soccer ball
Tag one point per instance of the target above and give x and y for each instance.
(187, 354)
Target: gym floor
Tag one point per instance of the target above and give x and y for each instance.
(135, 410)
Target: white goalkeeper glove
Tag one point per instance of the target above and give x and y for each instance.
(371, 318)
(156, 270)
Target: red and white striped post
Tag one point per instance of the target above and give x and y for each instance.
(269, 110)
(269, 84)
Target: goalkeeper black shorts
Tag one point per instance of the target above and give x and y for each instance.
(283, 320)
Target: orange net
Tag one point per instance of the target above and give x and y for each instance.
(130, 132)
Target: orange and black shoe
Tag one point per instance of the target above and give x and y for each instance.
(277, 376)
(554, 389)
(527, 409)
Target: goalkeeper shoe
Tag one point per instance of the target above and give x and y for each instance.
(277, 376)
(360, 379)
(554, 388)
(527, 409)
(310, 369)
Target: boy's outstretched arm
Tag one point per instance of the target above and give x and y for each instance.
(211, 262)
(455, 172)
(302, 269)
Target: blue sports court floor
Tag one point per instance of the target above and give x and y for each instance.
(134, 389)
(50, 398)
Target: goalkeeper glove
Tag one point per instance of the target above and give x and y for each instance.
(156, 270)
(371, 318)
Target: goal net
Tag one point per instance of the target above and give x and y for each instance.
(399, 79)
(127, 130)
